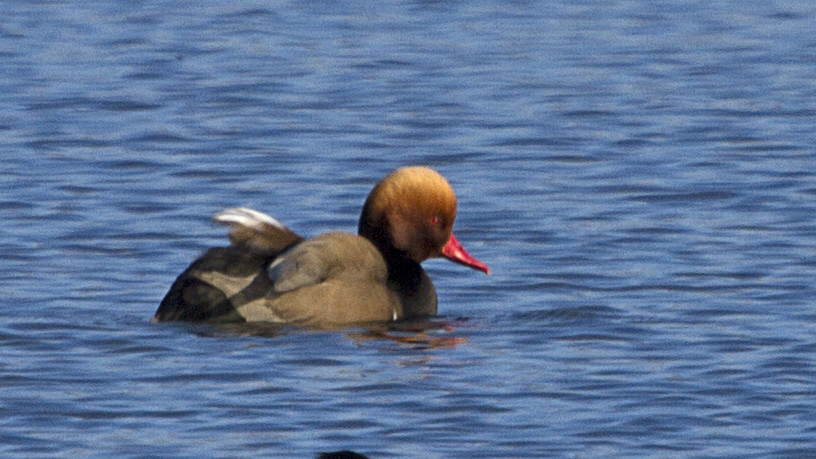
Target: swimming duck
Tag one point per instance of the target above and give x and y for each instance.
(271, 274)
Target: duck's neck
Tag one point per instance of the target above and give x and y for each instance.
(409, 280)
(403, 273)
(405, 276)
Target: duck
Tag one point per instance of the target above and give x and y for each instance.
(271, 274)
(345, 454)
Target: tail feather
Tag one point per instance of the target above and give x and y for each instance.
(255, 231)
(247, 217)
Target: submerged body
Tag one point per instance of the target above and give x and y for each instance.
(270, 274)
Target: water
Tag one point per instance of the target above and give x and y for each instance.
(639, 176)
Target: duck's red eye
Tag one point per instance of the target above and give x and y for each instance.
(435, 220)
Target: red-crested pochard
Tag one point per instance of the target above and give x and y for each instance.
(271, 274)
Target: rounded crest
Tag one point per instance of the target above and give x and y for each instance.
(412, 210)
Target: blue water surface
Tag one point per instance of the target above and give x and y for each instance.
(639, 175)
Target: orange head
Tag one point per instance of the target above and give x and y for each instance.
(412, 210)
